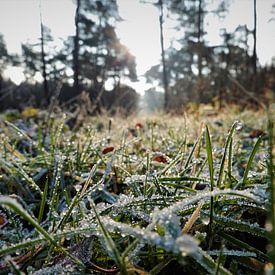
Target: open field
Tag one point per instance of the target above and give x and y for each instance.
(143, 195)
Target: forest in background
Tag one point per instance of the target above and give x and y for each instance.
(190, 71)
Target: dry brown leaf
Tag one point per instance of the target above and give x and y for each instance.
(108, 149)
(256, 133)
(160, 158)
(138, 125)
(3, 220)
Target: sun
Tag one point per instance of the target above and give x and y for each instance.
(15, 74)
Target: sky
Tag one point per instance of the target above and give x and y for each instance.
(139, 30)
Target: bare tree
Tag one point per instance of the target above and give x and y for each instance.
(254, 57)
(76, 48)
(43, 60)
(200, 24)
(164, 70)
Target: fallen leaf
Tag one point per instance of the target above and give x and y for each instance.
(108, 149)
(3, 220)
(160, 158)
(256, 133)
(138, 125)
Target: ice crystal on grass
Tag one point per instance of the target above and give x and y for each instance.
(167, 220)
(181, 244)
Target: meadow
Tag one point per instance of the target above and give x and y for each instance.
(159, 194)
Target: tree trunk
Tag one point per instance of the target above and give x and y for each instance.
(164, 70)
(76, 50)
(254, 57)
(43, 59)
(199, 38)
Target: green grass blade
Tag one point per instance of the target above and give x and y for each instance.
(243, 245)
(43, 201)
(16, 207)
(230, 156)
(227, 142)
(171, 164)
(270, 164)
(209, 151)
(209, 264)
(211, 171)
(109, 242)
(250, 160)
(190, 157)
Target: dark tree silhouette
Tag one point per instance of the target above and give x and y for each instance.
(76, 48)
(43, 60)
(164, 69)
(254, 57)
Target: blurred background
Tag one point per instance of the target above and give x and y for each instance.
(125, 56)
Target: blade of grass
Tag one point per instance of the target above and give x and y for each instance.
(217, 271)
(171, 164)
(43, 201)
(240, 244)
(189, 157)
(230, 155)
(109, 242)
(270, 161)
(227, 142)
(250, 160)
(211, 171)
(16, 207)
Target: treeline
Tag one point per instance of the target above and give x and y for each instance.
(193, 70)
(93, 55)
(190, 70)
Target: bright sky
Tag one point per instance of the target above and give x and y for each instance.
(19, 21)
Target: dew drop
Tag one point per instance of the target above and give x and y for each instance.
(205, 220)
(239, 126)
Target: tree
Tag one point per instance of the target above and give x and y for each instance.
(254, 57)
(4, 59)
(76, 48)
(98, 53)
(164, 69)
(192, 59)
(43, 61)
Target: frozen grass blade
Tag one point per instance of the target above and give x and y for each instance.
(250, 160)
(209, 151)
(227, 143)
(271, 166)
(159, 267)
(217, 271)
(109, 242)
(171, 164)
(16, 207)
(242, 245)
(43, 201)
(230, 156)
(77, 198)
(186, 165)
(209, 264)
(211, 171)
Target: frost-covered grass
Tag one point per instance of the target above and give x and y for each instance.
(155, 195)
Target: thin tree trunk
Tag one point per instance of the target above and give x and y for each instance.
(76, 50)
(254, 58)
(43, 59)
(164, 70)
(199, 38)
